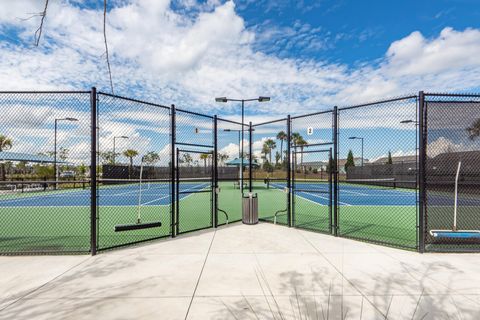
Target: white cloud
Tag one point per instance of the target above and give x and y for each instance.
(176, 57)
(452, 50)
(445, 145)
(231, 150)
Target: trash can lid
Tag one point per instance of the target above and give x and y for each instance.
(249, 195)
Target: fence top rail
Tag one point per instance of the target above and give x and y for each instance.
(378, 102)
(46, 92)
(194, 113)
(194, 145)
(132, 99)
(312, 145)
(474, 95)
(312, 114)
(232, 121)
(453, 101)
(195, 151)
(269, 122)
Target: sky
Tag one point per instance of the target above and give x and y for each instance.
(306, 55)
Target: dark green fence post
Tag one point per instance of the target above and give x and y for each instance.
(93, 171)
(215, 173)
(335, 171)
(421, 171)
(173, 204)
(290, 212)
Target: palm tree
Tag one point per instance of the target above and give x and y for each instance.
(151, 158)
(270, 144)
(474, 130)
(204, 157)
(222, 157)
(107, 157)
(187, 158)
(130, 154)
(265, 151)
(278, 156)
(282, 136)
(301, 143)
(5, 144)
(295, 137)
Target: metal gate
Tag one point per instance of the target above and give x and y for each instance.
(194, 190)
(312, 197)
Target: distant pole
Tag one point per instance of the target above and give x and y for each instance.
(243, 131)
(224, 100)
(55, 156)
(362, 151)
(55, 171)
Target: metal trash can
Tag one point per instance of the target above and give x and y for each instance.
(250, 208)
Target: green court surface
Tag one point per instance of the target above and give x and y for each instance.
(66, 228)
(389, 224)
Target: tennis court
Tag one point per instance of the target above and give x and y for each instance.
(60, 219)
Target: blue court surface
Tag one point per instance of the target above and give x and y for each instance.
(368, 195)
(123, 195)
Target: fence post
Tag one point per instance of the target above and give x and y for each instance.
(173, 204)
(335, 171)
(215, 173)
(93, 171)
(250, 158)
(290, 212)
(421, 171)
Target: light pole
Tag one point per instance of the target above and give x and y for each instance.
(114, 152)
(358, 138)
(239, 139)
(224, 100)
(239, 151)
(55, 173)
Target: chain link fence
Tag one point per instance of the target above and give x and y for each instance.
(312, 171)
(194, 180)
(270, 174)
(44, 160)
(452, 143)
(229, 201)
(375, 202)
(382, 172)
(133, 176)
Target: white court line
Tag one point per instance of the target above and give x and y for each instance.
(47, 196)
(296, 194)
(127, 192)
(202, 186)
(347, 191)
(317, 203)
(186, 190)
(357, 193)
(316, 195)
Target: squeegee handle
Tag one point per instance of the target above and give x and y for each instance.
(456, 197)
(140, 193)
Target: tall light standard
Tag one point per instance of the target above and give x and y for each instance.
(55, 173)
(114, 152)
(239, 139)
(358, 138)
(224, 100)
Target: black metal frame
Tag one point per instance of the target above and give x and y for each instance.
(93, 172)
(212, 190)
(294, 189)
(175, 192)
(421, 172)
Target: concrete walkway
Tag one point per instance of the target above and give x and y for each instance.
(243, 272)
